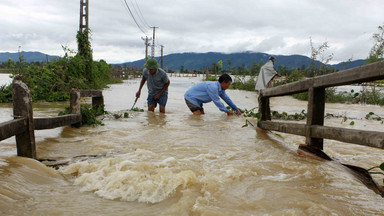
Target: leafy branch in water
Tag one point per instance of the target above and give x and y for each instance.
(246, 123)
(137, 109)
(381, 172)
(251, 113)
(88, 114)
(372, 115)
(285, 116)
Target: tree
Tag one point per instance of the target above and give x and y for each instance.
(377, 51)
(314, 69)
(219, 65)
(229, 64)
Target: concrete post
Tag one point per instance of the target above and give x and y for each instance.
(75, 104)
(98, 101)
(22, 108)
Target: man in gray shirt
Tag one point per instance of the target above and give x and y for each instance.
(157, 83)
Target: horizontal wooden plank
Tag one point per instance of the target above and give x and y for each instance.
(12, 128)
(91, 93)
(54, 122)
(365, 73)
(361, 137)
(285, 127)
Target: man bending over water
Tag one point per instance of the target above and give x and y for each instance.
(208, 91)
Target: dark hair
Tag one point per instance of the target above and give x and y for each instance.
(225, 78)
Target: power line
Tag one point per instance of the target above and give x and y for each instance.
(141, 17)
(133, 17)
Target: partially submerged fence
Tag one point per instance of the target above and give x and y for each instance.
(23, 125)
(314, 129)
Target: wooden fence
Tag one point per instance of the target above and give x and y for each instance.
(23, 125)
(314, 129)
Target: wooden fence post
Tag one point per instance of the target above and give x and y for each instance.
(315, 115)
(264, 108)
(22, 107)
(75, 104)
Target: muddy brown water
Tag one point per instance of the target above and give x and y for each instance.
(180, 164)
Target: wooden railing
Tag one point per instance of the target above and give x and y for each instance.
(23, 125)
(314, 129)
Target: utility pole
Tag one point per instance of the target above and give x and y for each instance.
(146, 39)
(162, 65)
(153, 43)
(84, 10)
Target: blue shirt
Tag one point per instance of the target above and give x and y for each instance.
(208, 91)
(155, 82)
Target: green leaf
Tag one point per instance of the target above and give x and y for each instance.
(352, 123)
(258, 116)
(381, 166)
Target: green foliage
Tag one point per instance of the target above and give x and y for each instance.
(373, 116)
(244, 83)
(248, 113)
(285, 116)
(211, 78)
(54, 80)
(316, 53)
(294, 75)
(5, 93)
(137, 109)
(301, 96)
(380, 172)
(88, 114)
(246, 123)
(377, 51)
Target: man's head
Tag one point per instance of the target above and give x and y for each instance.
(272, 58)
(225, 81)
(151, 65)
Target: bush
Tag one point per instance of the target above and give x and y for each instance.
(5, 93)
(88, 114)
(244, 84)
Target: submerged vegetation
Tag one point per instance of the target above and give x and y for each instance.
(88, 114)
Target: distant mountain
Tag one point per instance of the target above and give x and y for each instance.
(198, 61)
(28, 56)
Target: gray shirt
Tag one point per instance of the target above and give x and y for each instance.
(156, 82)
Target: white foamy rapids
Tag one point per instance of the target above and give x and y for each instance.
(131, 177)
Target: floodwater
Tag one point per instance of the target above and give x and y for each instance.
(180, 164)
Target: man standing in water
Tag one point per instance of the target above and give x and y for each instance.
(208, 91)
(157, 83)
(266, 75)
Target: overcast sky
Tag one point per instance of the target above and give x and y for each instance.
(279, 27)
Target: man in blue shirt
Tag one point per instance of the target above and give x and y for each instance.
(157, 83)
(208, 91)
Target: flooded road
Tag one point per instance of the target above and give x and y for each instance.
(180, 164)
